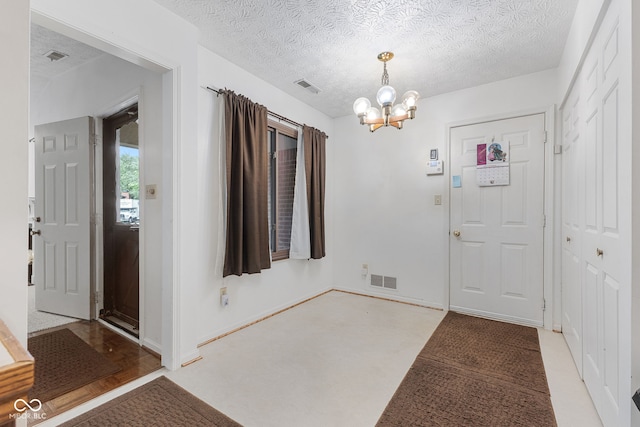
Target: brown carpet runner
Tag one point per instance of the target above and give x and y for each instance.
(157, 403)
(64, 362)
(474, 372)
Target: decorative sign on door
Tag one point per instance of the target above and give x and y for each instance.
(492, 165)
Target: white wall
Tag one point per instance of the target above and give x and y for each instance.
(14, 28)
(588, 14)
(155, 38)
(94, 89)
(288, 281)
(384, 211)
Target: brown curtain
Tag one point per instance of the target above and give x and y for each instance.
(247, 246)
(314, 162)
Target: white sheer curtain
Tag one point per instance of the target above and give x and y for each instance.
(222, 185)
(300, 234)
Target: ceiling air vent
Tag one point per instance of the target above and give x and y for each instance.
(308, 86)
(54, 55)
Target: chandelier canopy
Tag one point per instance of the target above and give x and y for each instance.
(391, 115)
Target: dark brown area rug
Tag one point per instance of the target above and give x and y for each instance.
(64, 362)
(474, 372)
(157, 403)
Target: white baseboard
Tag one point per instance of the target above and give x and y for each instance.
(257, 318)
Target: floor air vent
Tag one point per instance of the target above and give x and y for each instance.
(384, 281)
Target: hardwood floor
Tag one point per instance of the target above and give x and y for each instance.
(134, 361)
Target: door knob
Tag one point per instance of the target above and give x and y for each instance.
(35, 232)
(599, 252)
(456, 233)
(568, 239)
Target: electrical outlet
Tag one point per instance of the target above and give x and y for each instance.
(224, 298)
(365, 271)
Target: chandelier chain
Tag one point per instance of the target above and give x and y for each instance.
(385, 76)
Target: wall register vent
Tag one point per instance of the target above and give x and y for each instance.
(387, 282)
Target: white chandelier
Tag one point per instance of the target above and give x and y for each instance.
(391, 115)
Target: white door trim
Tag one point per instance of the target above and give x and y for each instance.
(551, 287)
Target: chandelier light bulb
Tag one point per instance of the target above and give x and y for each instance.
(410, 99)
(398, 110)
(361, 105)
(386, 96)
(373, 113)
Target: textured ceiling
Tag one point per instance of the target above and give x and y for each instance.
(439, 45)
(44, 41)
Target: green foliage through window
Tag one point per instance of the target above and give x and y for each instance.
(129, 176)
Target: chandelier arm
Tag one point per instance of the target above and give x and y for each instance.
(375, 127)
(379, 121)
(401, 118)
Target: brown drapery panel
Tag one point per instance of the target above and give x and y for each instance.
(247, 246)
(314, 162)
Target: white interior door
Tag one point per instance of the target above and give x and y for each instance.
(593, 186)
(63, 210)
(496, 261)
(572, 199)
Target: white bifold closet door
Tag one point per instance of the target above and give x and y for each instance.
(596, 203)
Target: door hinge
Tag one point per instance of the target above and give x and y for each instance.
(544, 304)
(545, 136)
(96, 297)
(544, 221)
(274, 155)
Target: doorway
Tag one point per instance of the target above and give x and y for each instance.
(121, 213)
(497, 219)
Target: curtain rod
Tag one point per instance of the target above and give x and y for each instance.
(271, 113)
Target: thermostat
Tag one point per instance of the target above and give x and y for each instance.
(435, 167)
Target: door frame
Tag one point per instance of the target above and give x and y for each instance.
(551, 242)
(171, 71)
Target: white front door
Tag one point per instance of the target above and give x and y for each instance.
(63, 209)
(496, 250)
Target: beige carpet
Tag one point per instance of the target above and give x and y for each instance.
(474, 372)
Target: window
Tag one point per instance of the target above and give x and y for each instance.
(283, 150)
(128, 176)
